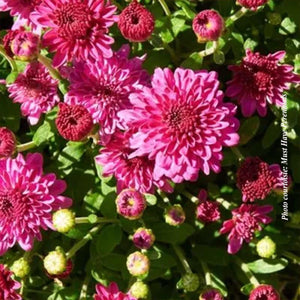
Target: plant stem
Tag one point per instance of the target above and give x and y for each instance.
(163, 196)
(85, 220)
(165, 7)
(48, 64)
(83, 241)
(11, 62)
(26, 146)
(210, 50)
(83, 293)
(226, 204)
(182, 259)
(193, 198)
(206, 273)
(294, 258)
(246, 271)
(236, 16)
(238, 153)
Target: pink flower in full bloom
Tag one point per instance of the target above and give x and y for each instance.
(256, 179)
(103, 88)
(111, 293)
(78, 28)
(259, 80)
(136, 172)
(36, 90)
(265, 292)
(8, 286)
(252, 4)
(245, 221)
(8, 142)
(27, 199)
(182, 123)
(208, 25)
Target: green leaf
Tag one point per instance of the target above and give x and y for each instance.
(10, 114)
(247, 288)
(237, 36)
(178, 24)
(194, 61)
(11, 77)
(219, 57)
(248, 129)
(185, 6)
(250, 44)
(43, 134)
(266, 266)
(115, 262)
(272, 133)
(151, 199)
(219, 284)
(93, 202)
(211, 255)
(287, 26)
(108, 207)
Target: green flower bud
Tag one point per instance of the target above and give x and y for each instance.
(63, 220)
(21, 267)
(138, 264)
(55, 262)
(266, 248)
(190, 282)
(139, 290)
(274, 18)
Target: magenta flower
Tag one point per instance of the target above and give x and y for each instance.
(245, 221)
(182, 123)
(208, 211)
(22, 10)
(211, 294)
(111, 293)
(78, 28)
(252, 4)
(143, 238)
(265, 292)
(103, 88)
(136, 172)
(36, 90)
(8, 286)
(27, 199)
(256, 179)
(8, 142)
(259, 80)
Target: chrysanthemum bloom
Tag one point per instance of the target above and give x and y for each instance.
(8, 38)
(211, 294)
(259, 80)
(136, 23)
(175, 215)
(78, 28)
(143, 238)
(138, 264)
(36, 90)
(25, 45)
(27, 198)
(103, 87)
(136, 172)
(245, 221)
(65, 274)
(7, 142)
(265, 292)
(8, 286)
(131, 204)
(111, 293)
(252, 4)
(208, 211)
(182, 123)
(256, 179)
(22, 10)
(208, 25)
(73, 122)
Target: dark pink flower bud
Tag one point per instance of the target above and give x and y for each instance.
(143, 238)
(264, 291)
(208, 211)
(7, 142)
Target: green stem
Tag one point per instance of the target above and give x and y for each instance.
(210, 50)
(206, 273)
(48, 64)
(182, 259)
(226, 204)
(163, 196)
(85, 220)
(83, 293)
(83, 241)
(238, 153)
(236, 16)
(188, 195)
(11, 62)
(26, 146)
(243, 266)
(294, 258)
(165, 7)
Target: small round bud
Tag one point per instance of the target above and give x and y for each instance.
(63, 220)
(55, 262)
(7, 142)
(138, 264)
(139, 290)
(131, 204)
(211, 294)
(175, 215)
(190, 282)
(274, 18)
(143, 238)
(21, 267)
(266, 248)
(264, 291)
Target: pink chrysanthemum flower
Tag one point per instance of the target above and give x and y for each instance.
(143, 238)
(73, 122)
(104, 87)
(245, 221)
(256, 179)
(208, 25)
(22, 10)
(8, 286)
(252, 4)
(136, 23)
(8, 142)
(182, 123)
(211, 294)
(27, 199)
(264, 292)
(78, 28)
(136, 172)
(111, 293)
(36, 90)
(259, 80)
(208, 211)
(8, 38)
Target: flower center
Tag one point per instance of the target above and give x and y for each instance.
(74, 20)
(11, 204)
(246, 226)
(263, 80)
